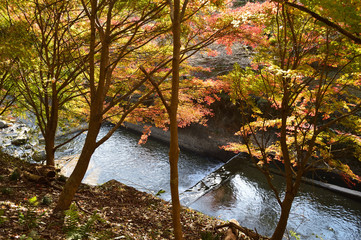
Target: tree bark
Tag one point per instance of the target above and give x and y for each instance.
(285, 212)
(51, 128)
(73, 182)
(49, 149)
(49, 137)
(174, 148)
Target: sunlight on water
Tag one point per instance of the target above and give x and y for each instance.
(315, 211)
(235, 190)
(144, 167)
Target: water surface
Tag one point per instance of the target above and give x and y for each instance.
(235, 190)
(145, 167)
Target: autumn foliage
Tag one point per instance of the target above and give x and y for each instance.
(300, 97)
(130, 61)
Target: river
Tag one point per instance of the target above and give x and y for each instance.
(234, 190)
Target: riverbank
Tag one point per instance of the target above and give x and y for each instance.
(195, 138)
(109, 211)
(207, 141)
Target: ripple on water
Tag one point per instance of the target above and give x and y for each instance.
(315, 211)
(243, 193)
(145, 167)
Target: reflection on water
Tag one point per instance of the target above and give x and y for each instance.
(235, 190)
(144, 167)
(315, 211)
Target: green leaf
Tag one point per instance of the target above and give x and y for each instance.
(160, 192)
(33, 201)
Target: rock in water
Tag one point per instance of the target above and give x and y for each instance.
(3, 124)
(20, 140)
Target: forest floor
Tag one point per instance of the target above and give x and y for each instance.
(110, 211)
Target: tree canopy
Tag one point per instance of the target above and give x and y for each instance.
(299, 99)
(96, 61)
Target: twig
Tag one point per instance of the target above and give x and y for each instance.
(82, 209)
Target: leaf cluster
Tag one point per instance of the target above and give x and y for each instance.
(304, 79)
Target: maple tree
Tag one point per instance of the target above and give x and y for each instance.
(175, 98)
(117, 31)
(176, 17)
(135, 35)
(196, 94)
(14, 41)
(343, 16)
(48, 79)
(299, 98)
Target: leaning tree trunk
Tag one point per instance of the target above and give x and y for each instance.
(98, 93)
(73, 182)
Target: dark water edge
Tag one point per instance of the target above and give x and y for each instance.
(197, 139)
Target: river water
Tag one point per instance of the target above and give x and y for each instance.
(234, 190)
(144, 167)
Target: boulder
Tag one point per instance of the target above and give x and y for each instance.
(39, 156)
(20, 140)
(3, 124)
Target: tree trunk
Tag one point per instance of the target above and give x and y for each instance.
(97, 94)
(72, 184)
(51, 128)
(176, 208)
(174, 148)
(49, 149)
(290, 191)
(34, 177)
(285, 212)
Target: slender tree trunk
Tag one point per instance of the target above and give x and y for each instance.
(285, 212)
(51, 128)
(174, 148)
(290, 190)
(96, 116)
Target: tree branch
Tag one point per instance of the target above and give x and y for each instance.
(333, 25)
(155, 85)
(71, 139)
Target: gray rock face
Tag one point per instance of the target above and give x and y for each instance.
(223, 62)
(18, 139)
(196, 138)
(3, 124)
